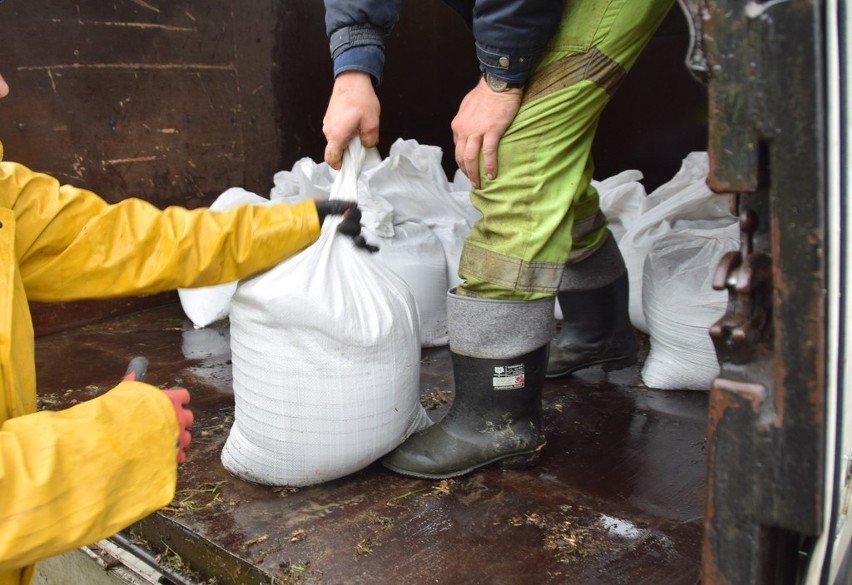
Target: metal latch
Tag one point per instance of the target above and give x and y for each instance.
(747, 276)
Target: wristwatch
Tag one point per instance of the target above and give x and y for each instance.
(500, 85)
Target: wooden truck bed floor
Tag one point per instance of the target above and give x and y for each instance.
(617, 498)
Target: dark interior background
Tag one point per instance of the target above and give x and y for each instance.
(175, 101)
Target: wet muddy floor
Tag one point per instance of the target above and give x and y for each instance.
(616, 499)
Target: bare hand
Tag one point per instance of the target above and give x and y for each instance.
(479, 125)
(136, 372)
(352, 109)
(185, 418)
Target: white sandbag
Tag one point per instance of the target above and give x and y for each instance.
(452, 235)
(685, 202)
(326, 360)
(453, 232)
(208, 304)
(412, 180)
(306, 180)
(460, 192)
(621, 200)
(407, 187)
(681, 305)
(386, 196)
(415, 254)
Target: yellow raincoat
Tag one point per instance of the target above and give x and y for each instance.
(72, 477)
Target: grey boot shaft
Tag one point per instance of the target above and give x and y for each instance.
(596, 328)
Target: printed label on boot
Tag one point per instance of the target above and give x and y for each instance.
(508, 377)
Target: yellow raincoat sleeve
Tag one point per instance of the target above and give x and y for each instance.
(73, 245)
(73, 477)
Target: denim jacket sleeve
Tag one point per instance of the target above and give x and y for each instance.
(356, 31)
(510, 34)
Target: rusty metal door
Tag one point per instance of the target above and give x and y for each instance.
(768, 146)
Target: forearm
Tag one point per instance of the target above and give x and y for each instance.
(73, 245)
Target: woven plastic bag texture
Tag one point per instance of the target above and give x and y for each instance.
(680, 305)
(415, 254)
(417, 218)
(326, 360)
(685, 202)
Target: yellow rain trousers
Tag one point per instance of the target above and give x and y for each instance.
(72, 477)
(541, 211)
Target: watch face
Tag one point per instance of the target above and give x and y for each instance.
(496, 84)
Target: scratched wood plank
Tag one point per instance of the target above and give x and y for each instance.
(128, 98)
(165, 11)
(168, 100)
(183, 32)
(121, 142)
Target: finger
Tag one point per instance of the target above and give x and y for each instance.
(458, 155)
(349, 227)
(369, 136)
(184, 439)
(489, 154)
(460, 164)
(471, 159)
(459, 152)
(181, 395)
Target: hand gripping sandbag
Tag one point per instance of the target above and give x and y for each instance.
(326, 360)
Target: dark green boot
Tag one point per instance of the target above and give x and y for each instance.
(499, 352)
(596, 329)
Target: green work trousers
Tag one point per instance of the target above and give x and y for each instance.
(541, 211)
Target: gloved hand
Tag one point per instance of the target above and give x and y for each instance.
(351, 224)
(136, 370)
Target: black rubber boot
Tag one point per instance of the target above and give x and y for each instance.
(596, 328)
(496, 413)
